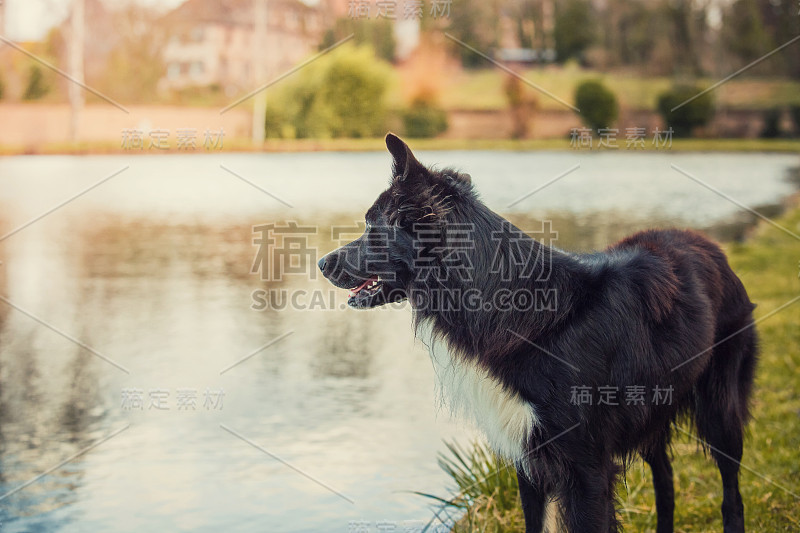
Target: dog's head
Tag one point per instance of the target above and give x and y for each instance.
(405, 231)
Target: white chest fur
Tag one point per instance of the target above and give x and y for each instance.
(468, 390)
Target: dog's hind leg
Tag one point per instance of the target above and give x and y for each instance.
(721, 413)
(533, 503)
(656, 456)
(725, 443)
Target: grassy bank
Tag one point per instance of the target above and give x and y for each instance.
(377, 144)
(769, 265)
(483, 89)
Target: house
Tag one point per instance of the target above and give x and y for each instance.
(211, 42)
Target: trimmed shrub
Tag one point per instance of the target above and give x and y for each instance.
(598, 105)
(37, 86)
(691, 114)
(339, 95)
(424, 118)
(794, 111)
(772, 124)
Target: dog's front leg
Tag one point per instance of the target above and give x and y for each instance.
(588, 498)
(533, 503)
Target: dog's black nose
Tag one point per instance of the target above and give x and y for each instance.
(321, 263)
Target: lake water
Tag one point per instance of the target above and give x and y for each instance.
(140, 290)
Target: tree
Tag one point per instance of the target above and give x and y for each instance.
(745, 35)
(76, 45)
(686, 21)
(475, 23)
(37, 86)
(135, 64)
(377, 33)
(782, 23)
(631, 33)
(574, 28)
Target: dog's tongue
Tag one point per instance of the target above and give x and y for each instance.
(355, 291)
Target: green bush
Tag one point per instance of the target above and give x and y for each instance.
(772, 124)
(598, 105)
(37, 86)
(794, 111)
(690, 115)
(424, 119)
(339, 95)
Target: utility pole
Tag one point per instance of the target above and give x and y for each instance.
(76, 43)
(258, 61)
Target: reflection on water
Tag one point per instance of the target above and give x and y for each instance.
(152, 271)
(345, 398)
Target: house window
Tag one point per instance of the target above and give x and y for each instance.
(173, 71)
(292, 20)
(196, 69)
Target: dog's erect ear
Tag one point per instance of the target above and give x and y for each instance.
(405, 164)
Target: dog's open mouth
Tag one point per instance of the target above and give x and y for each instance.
(364, 294)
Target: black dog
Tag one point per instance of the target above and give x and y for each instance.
(528, 340)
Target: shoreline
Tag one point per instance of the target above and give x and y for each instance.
(436, 144)
(766, 261)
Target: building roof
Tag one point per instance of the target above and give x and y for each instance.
(234, 12)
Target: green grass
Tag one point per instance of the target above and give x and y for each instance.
(487, 492)
(769, 265)
(483, 89)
